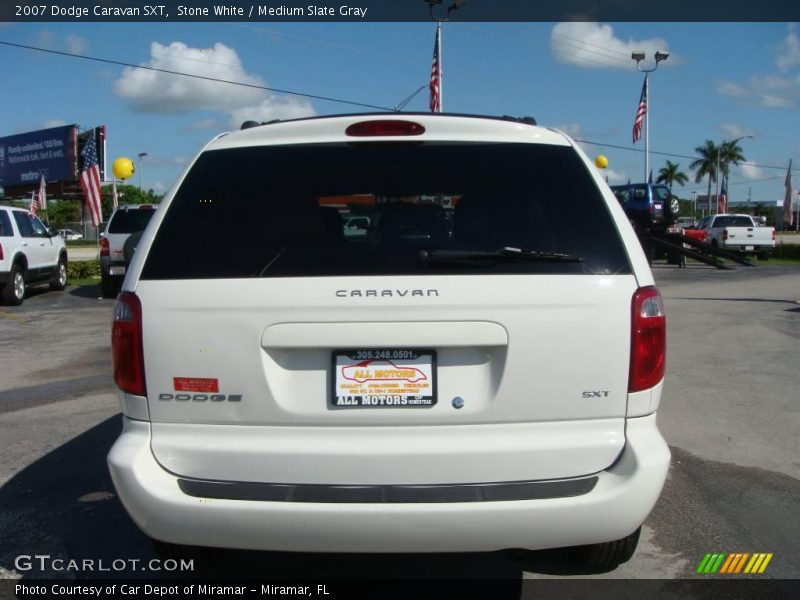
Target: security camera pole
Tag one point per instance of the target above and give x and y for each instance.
(639, 57)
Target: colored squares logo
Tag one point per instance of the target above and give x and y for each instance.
(734, 563)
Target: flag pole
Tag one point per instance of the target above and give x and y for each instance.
(647, 125)
(441, 66)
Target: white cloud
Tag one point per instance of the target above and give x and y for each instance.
(732, 130)
(573, 130)
(789, 50)
(769, 91)
(594, 46)
(204, 124)
(155, 92)
(276, 107)
(163, 93)
(749, 171)
(76, 44)
(615, 176)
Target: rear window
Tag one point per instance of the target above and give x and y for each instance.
(733, 222)
(5, 225)
(130, 221)
(281, 211)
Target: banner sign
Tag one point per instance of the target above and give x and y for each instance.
(49, 152)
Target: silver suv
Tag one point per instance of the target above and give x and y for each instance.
(128, 221)
(480, 370)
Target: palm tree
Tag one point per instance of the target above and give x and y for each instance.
(730, 153)
(706, 164)
(671, 174)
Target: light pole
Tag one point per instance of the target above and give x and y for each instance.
(141, 169)
(719, 156)
(639, 57)
(694, 207)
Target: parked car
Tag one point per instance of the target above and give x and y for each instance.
(30, 254)
(472, 381)
(124, 222)
(356, 226)
(69, 235)
(738, 233)
(650, 207)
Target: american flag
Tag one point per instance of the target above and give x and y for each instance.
(787, 200)
(33, 204)
(42, 193)
(436, 75)
(722, 201)
(114, 197)
(90, 180)
(640, 113)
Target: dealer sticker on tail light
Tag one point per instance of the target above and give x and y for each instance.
(383, 378)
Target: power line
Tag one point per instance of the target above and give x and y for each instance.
(694, 157)
(203, 77)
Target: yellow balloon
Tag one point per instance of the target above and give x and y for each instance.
(123, 168)
(601, 162)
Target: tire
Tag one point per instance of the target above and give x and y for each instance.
(129, 248)
(672, 209)
(59, 280)
(609, 555)
(109, 286)
(13, 292)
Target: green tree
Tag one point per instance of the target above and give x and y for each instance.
(671, 174)
(127, 194)
(61, 211)
(730, 153)
(706, 164)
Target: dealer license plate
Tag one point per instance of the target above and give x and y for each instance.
(383, 378)
(116, 270)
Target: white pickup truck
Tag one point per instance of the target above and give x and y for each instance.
(738, 233)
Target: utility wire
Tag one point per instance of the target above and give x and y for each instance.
(692, 157)
(206, 78)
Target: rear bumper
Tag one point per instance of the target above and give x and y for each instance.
(616, 505)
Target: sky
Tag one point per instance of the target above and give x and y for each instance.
(722, 81)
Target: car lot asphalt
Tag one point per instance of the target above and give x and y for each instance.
(729, 412)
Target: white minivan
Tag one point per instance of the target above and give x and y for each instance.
(480, 370)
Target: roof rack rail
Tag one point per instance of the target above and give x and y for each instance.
(525, 120)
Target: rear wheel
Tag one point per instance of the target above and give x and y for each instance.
(59, 280)
(13, 292)
(609, 555)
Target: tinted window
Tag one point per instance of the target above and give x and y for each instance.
(24, 224)
(280, 211)
(5, 225)
(661, 193)
(130, 221)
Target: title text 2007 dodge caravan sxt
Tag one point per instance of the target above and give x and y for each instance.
(477, 367)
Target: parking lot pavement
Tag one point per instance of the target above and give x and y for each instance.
(729, 412)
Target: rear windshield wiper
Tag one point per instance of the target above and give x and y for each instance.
(505, 253)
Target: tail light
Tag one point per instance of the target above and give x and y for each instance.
(648, 340)
(127, 354)
(1, 248)
(105, 247)
(773, 239)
